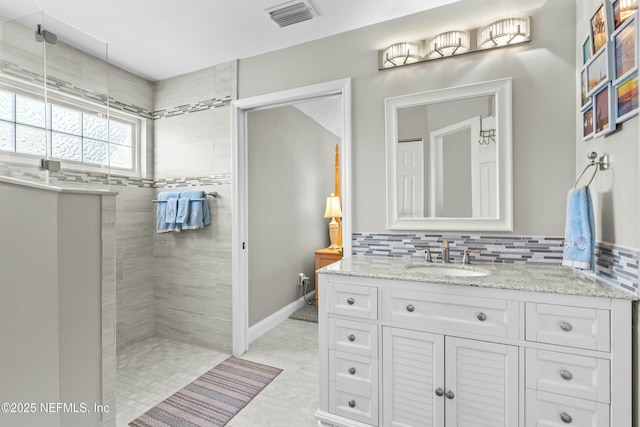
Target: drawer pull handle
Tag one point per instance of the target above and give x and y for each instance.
(439, 392)
(450, 395)
(352, 403)
(410, 308)
(351, 338)
(566, 375)
(566, 418)
(482, 317)
(352, 371)
(350, 301)
(566, 326)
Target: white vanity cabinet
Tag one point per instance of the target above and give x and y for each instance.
(403, 353)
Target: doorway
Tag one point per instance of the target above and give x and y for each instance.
(242, 333)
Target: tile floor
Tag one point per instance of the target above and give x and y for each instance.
(152, 370)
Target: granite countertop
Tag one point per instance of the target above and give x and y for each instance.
(523, 277)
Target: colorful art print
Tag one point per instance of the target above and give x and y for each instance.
(584, 88)
(587, 123)
(625, 45)
(586, 50)
(597, 71)
(627, 99)
(622, 10)
(599, 35)
(602, 111)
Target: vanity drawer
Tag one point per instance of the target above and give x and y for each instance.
(578, 376)
(360, 404)
(579, 327)
(484, 316)
(547, 409)
(353, 370)
(352, 300)
(353, 337)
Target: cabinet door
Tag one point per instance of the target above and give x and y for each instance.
(481, 384)
(413, 369)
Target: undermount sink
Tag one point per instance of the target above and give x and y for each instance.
(447, 270)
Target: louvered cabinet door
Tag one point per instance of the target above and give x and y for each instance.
(413, 369)
(481, 384)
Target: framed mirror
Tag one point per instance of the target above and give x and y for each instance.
(449, 159)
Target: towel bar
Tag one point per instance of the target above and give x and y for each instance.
(602, 164)
(212, 194)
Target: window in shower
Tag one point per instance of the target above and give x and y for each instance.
(64, 131)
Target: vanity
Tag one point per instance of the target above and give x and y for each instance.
(408, 343)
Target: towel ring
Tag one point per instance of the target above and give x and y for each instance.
(601, 164)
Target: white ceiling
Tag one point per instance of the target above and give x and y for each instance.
(157, 39)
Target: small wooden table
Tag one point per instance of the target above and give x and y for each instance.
(325, 257)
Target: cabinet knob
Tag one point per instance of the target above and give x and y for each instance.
(566, 326)
(352, 403)
(566, 375)
(410, 308)
(352, 371)
(439, 392)
(350, 301)
(566, 418)
(482, 317)
(351, 338)
(450, 395)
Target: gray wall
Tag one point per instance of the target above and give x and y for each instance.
(544, 84)
(616, 193)
(192, 269)
(291, 173)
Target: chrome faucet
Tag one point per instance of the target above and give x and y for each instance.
(445, 252)
(427, 252)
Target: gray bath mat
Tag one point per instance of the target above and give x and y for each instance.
(308, 313)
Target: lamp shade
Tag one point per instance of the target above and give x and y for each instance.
(449, 43)
(333, 207)
(402, 54)
(504, 32)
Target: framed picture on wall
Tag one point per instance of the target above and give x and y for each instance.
(621, 10)
(603, 119)
(599, 34)
(586, 50)
(598, 71)
(625, 47)
(584, 89)
(587, 123)
(627, 99)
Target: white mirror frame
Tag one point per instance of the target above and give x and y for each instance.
(501, 89)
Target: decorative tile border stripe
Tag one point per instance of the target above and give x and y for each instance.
(193, 108)
(193, 181)
(508, 249)
(619, 265)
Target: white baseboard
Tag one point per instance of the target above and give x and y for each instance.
(268, 323)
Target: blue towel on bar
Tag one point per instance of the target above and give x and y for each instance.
(199, 214)
(172, 210)
(162, 226)
(183, 210)
(579, 240)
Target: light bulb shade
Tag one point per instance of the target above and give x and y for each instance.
(449, 43)
(332, 209)
(504, 32)
(402, 54)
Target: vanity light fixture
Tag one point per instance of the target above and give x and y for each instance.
(333, 211)
(402, 54)
(504, 32)
(449, 43)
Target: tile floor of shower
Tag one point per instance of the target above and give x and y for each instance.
(153, 369)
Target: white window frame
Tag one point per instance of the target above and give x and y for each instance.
(138, 143)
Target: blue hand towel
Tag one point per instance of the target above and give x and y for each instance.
(199, 214)
(172, 210)
(162, 226)
(579, 240)
(183, 210)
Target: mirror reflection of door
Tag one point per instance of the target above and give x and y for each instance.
(410, 172)
(484, 179)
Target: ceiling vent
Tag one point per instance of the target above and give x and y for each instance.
(291, 12)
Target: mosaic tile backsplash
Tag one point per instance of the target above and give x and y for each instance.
(615, 264)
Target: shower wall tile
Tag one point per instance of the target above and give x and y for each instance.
(192, 274)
